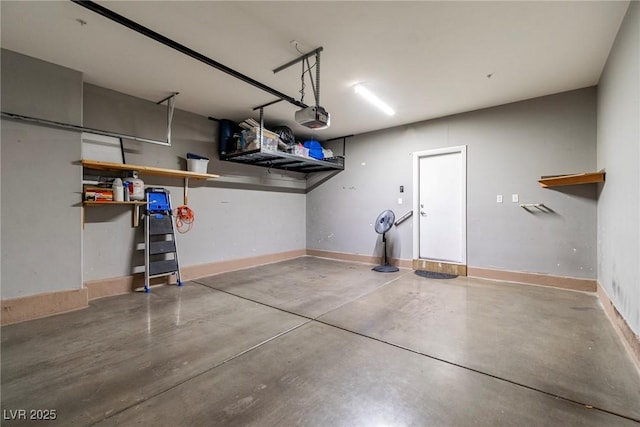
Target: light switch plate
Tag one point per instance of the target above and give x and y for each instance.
(499, 198)
(514, 198)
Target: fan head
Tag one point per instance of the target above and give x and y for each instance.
(385, 221)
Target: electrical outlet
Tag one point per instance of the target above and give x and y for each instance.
(499, 198)
(514, 198)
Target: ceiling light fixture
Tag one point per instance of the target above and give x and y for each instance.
(372, 98)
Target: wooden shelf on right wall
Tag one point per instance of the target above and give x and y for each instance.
(575, 179)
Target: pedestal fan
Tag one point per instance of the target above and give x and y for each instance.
(383, 224)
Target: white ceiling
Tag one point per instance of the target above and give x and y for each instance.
(426, 59)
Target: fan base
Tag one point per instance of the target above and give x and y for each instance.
(385, 269)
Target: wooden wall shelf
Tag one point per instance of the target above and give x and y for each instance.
(142, 170)
(146, 170)
(135, 211)
(110, 202)
(575, 179)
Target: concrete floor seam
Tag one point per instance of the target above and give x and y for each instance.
(395, 279)
(586, 405)
(298, 314)
(217, 365)
(417, 352)
(316, 319)
(254, 301)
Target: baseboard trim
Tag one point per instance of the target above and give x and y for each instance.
(440, 267)
(197, 271)
(630, 340)
(113, 286)
(365, 259)
(31, 307)
(110, 287)
(571, 283)
(121, 285)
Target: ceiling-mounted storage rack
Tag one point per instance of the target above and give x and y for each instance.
(285, 161)
(269, 156)
(260, 157)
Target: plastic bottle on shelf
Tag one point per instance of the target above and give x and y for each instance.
(136, 187)
(118, 190)
(127, 194)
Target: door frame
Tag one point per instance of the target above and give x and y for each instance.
(462, 149)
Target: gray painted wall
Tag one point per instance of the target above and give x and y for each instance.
(509, 148)
(41, 240)
(31, 87)
(109, 110)
(250, 211)
(619, 153)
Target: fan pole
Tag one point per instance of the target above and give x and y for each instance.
(386, 267)
(384, 243)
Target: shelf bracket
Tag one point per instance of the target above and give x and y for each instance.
(135, 216)
(171, 105)
(185, 195)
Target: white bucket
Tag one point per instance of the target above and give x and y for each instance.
(197, 165)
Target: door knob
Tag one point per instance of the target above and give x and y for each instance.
(423, 213)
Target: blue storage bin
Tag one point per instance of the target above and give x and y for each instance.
(315, 149)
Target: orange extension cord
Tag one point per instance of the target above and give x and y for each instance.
(184, 218)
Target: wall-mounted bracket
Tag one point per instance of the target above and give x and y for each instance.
(186, 191)
(60, 125)
(44, 122)
(171, 105)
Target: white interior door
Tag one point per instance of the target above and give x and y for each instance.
(440, 184)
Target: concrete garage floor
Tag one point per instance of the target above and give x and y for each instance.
(325, 343)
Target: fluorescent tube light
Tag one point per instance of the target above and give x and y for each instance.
(372, 98)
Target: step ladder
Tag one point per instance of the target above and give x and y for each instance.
(160, 250)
